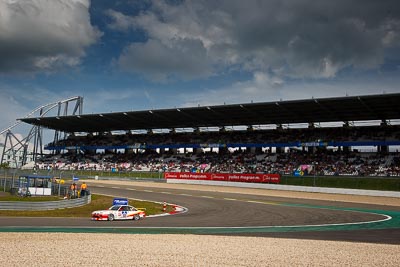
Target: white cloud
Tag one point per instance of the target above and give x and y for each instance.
(43, 35)
(11, 109)
(264, 87)
(120, 21)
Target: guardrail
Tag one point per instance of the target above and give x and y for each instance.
(328, 190)
(45, 205)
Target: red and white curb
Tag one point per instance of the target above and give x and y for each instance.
(177, 210)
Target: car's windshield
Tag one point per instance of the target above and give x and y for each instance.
(114, 208)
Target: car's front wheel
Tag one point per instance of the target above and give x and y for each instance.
(110, 217)
(136, 217)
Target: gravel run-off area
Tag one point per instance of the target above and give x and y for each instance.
(65, 249)
(83, 249)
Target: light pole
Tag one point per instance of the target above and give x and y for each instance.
(315, 171)
(59, 184)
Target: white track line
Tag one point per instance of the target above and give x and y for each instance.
(387, 217)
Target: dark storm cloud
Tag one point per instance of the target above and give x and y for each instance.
(299, 38)
(312, 36)
(161, 62)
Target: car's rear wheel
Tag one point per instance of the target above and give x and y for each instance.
(110, 217)
(136, 217)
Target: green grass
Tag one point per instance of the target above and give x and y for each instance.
(30, 199)
(99, 202)
(367, 183)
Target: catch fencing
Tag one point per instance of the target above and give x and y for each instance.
(11, 185)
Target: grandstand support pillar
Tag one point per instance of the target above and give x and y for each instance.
(198, 150)
(383, 149)
(279, 150)
(223, 150)
(62, 110)
(151, 150)
(321, 149)
(174, 151)
(128, 151)
(162, 151)
(258, 150)
(252, 150)
(346, 149)
(37, 143)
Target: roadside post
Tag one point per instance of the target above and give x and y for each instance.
(59, 184)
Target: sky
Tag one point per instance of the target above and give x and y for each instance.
(141, 54)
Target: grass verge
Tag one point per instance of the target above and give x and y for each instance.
(367, 183)
(99, 202)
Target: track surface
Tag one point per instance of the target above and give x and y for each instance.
(236, 214)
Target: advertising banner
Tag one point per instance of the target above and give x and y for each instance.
(120, 201)
(232, 177)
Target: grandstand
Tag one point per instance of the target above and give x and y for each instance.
(327, 136)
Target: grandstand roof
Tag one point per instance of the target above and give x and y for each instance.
(346, 109)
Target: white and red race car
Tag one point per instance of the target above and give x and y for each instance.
(118, 212)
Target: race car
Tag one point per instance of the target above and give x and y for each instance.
(118, 212)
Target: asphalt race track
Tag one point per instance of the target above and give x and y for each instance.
(220, 213)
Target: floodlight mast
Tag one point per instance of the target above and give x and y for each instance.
(14, 145)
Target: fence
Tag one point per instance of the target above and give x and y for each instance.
(351, 182)
(83, 174)
(11, 185)
(45, 205)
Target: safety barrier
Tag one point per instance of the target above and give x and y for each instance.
(45, 205)
(291, 188)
